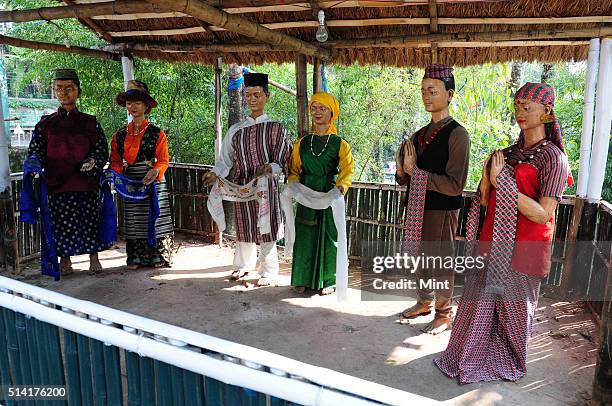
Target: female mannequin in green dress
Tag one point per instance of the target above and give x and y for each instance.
(320, 161)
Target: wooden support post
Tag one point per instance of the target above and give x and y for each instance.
(218, 130)
(218, 134)
(570, 253)
(301, 81)
(602, 383)
(317, 76)
(9, 252)
(433, 28)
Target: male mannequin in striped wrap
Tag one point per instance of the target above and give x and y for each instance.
(257, 147)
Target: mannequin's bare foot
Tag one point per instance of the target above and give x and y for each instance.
(66, 266)
(95, 267)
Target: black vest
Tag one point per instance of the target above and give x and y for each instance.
(146, 150)
(434, 159)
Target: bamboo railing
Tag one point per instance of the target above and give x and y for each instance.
(374, 212)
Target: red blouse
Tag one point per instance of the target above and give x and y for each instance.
(544, 175)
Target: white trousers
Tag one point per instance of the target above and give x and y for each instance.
(245, 258)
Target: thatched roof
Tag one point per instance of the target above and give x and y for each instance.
(381, 40)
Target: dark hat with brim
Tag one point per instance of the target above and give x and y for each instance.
(136, 91)
(65, 74)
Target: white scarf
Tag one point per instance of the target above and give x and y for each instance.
(254, 190)
(319, 201)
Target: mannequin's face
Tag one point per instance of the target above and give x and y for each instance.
(434, 94)
(256, 99)
(529, 114)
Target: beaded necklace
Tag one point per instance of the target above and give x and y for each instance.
(324, 148)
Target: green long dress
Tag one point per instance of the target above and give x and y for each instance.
(316, 243)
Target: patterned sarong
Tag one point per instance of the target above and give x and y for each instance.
(319, 201)
(493, 323)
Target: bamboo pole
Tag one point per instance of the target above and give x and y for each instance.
(301, 81)
(588, 112)
(45, 46)
(193, 47)
(603, 120)
(199, 9)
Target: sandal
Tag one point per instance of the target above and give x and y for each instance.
(238, 274)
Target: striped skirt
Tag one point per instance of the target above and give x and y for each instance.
(489, 337)
(136, 217)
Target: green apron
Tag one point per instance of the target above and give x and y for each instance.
(316, 243)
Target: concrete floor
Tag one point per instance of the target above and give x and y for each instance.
(358, 338)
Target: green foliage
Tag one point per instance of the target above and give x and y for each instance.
(482, 104)
(379, 105)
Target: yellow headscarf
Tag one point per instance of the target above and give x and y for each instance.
(331, 103)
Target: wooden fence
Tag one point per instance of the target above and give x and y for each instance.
(374, 212)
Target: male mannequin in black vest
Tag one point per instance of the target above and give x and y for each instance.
(442, 149)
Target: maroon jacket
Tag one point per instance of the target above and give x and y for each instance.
(62, 141)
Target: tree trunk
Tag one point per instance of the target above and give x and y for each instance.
(236, 103)
(517, 76)
(548, 71)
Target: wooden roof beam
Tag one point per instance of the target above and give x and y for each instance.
(45, 46)
(200, 10)
(80, 11)
(411, 41)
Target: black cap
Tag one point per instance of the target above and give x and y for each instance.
(256, 79)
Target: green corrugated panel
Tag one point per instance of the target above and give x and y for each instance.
(5, 371)
(22, 343)
(281, 402)
(163, 384)
(53, 359)
(85, 369)
(177, 385)
(73, 380)
(253, 398)
(32, 354)
(147, 381)
(193, 386)
(213, 393)
(132, 368)
(96, 349)
(5, 375)
(232, 394)
(112, 366)
(41, 339)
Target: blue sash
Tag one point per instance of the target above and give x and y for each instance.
(30, 206)
(132, 190)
